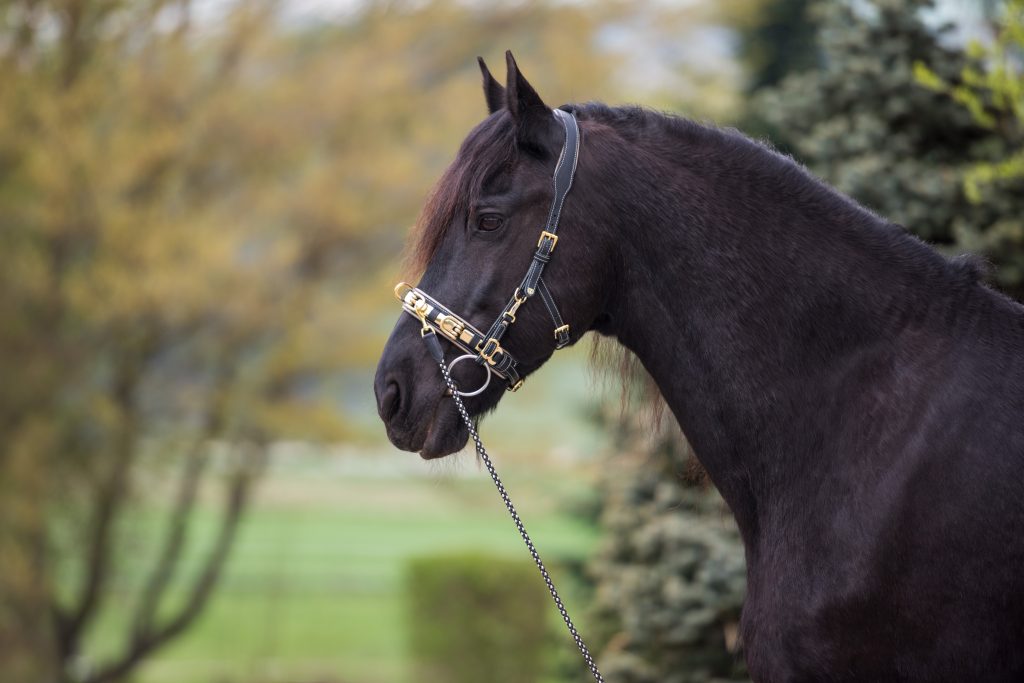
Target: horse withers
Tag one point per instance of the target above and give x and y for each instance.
(857, 398)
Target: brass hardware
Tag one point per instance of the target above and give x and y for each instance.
(406, 293)
(488, 355)
(420, 307)
(466, 337)
(450, 325)
(402, 290)
(559, 330)
(515, 387)
(511, 312)
(549, 235)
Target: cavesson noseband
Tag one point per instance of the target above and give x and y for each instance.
(486, 349)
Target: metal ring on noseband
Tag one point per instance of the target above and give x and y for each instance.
(486, 382)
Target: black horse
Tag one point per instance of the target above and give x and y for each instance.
(857, 398)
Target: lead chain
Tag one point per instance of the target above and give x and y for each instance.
(519, 525)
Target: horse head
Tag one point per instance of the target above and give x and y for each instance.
(482, 241)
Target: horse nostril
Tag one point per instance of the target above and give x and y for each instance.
(390, 401)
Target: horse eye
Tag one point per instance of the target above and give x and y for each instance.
(490, 222)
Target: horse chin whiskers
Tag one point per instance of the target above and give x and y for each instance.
(445, 434)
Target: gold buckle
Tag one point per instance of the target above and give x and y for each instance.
(451, 326)
(511, 312)
(420, 307)
(549, 235)
(563, 328)
(402, 290)
(489, 355)
(515, 387)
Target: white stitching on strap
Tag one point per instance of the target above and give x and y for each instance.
(549, 303)
(556, 209)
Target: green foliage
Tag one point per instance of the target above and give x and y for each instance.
(476, 618)
(993, 91)
(777, 38)
(865, 123)
(671, 574)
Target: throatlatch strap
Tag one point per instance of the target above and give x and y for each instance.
(561, 329)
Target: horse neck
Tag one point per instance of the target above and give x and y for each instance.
(752, 293)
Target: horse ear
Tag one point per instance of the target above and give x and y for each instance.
(536, 122)
(494, 93)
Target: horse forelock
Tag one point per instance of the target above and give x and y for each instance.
(487, 151)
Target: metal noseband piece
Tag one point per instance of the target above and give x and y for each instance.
(433, 315)
(486, 348)
(466, 394)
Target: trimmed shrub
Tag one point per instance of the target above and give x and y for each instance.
(476, 618)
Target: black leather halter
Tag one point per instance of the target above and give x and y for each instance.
(486, 348)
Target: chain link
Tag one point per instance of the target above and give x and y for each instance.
(519, 525)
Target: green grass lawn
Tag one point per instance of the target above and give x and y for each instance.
(314, 588)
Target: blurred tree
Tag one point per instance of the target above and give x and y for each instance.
(993, 91)
(671, 573)
(865, 124)
(777, 38)
(153, 304)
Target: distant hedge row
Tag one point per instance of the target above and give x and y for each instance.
(476, 618)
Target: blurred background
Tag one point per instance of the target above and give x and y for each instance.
(203, 207)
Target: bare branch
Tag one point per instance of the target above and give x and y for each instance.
(163, 570)
(71, 622)
(195, 464)
(149, 640)
(71, 38)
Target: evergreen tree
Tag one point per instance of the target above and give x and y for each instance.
(778, 39)
(865, 124)
(994, 95)
(671, 575)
